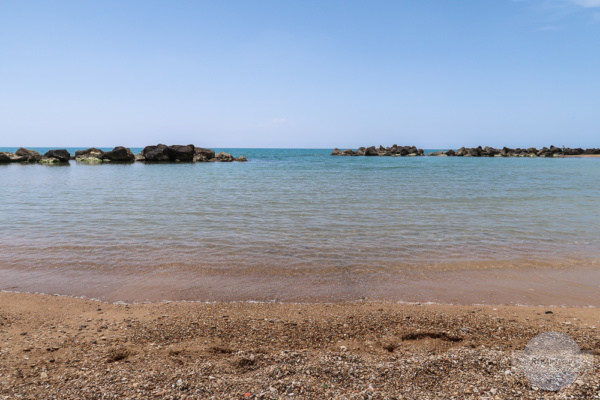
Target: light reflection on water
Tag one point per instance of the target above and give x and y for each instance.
(300, 210)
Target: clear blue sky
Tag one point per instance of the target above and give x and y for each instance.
(436, 74)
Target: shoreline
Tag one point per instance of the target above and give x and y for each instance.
(69, 348)
(575, 286)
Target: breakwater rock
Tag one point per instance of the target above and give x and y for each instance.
(151, 154)
(93, 155)
(21, 155)
(183, 153)
(393, 151)
(487, 151)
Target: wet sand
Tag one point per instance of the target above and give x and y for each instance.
(533, 285)
(65, 348)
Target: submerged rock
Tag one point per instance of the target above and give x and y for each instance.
(53, 161)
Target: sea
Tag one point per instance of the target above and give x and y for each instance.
(302, 225)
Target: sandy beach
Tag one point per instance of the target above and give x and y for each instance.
(55, 347)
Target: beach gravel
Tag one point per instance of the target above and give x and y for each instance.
(62, 348)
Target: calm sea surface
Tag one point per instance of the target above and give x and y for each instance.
(291, 212)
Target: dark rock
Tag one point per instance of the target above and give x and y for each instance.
(371, 151)
(490, 151)
(554, 149)
(487, 151)
(392, 151)
(61, 155)
(5, 157)
(203, 155)
(573, 152)
(474, 152)
(158, 153)
(119, 154)
(29, 155)
(180, 153)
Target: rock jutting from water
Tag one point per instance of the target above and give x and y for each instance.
(93, 155)
(183, 153)
(60, 156)
(551, 151)
(401, 151)
(150, 154)
(393, 151)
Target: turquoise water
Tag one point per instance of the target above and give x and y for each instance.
(300, 211)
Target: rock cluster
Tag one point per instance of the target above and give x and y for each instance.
(31, 156)
(179, 153)
(151, 154)
(93, 155)
(393, 151)
(552, 151)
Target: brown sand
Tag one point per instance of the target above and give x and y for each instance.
(544, 284)
(63, 348)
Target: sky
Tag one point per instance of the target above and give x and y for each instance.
(303, 73)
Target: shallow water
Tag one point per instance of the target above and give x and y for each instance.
(300, 213)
